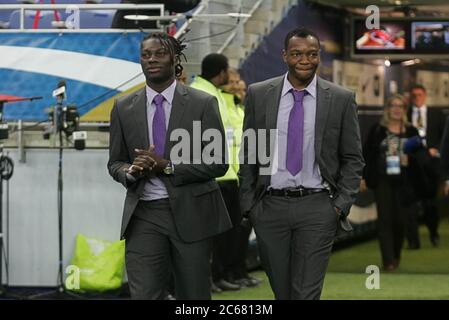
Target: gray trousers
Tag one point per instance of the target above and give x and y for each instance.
(295, 238)
(154, 250)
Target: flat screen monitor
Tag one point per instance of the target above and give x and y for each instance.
(401, 38)
(430, 37)
(390, 36)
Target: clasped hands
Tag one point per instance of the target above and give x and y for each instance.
(147, 163)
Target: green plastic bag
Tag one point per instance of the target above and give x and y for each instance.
(101, 263)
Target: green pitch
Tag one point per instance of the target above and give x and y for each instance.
(422, 274)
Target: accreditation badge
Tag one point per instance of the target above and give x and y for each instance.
(393, 165)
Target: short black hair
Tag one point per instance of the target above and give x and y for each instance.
(418, 86)
(174, 46)
(300, 32)
(213, 64)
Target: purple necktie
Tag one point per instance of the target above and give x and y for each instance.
(159, 128)
(295, 134)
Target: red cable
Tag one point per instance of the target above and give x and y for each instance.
(37, 17)
(55, 12)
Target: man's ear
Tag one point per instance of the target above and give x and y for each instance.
(284, 55)
(223, 74)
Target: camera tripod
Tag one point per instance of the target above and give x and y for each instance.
(60, 292)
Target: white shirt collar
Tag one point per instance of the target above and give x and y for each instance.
(421, 109)
(168, 93)
(311, 88)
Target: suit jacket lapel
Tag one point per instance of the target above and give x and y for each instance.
(140, 116)
(177, 111)
(273, 97)
(322, 112)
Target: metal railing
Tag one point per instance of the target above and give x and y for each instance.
(81, 7)
(195, 15)
(183, 29)
(234, 33)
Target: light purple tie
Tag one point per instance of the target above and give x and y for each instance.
(295, 134)
(159, 128)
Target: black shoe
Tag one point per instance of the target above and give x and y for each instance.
(169, 297)
(255, 280)
(414, 247)
(241, 282)
(389, 267)
(227, 286)
(247, 282)
(215, 289)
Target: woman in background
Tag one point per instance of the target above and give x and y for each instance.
(388, 173)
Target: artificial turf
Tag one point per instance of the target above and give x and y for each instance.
(422, 274)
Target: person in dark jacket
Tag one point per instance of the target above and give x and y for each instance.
(430, 124)
(388, 150)
(444, 150)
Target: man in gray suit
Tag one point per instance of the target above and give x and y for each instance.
(171, 209)
(298, 205)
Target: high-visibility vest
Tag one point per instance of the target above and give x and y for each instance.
(236, 115)
(208, 87)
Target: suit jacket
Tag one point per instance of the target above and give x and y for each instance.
(444, 151)
(337, 142)
(198, 208)
(435, 126)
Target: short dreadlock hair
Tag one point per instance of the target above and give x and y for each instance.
(300, 32)
(174, 46)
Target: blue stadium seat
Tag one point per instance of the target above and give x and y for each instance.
(14, 21)
(5, 14)
(88, 18)
(96, 19)
(45, 19)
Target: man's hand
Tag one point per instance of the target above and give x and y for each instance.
(158, 163)
(338, 211)
(446, 188)
(143, 164)
(363, 186)
(434, 152)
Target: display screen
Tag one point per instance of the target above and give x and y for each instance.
(406, 37)
(388, 36)
(430, 36)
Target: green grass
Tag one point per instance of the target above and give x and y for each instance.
(423, 274)
(349, 286)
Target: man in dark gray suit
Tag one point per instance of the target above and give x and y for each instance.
(171, 209)
(297, 205)
(430, 124)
